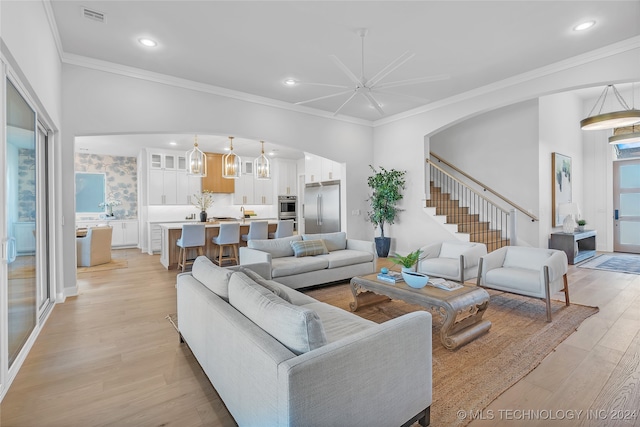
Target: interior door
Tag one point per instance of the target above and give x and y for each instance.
(626, 205)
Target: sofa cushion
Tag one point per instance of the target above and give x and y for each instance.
(518, 280)
(269, 284)
(297, 328)
(346, 257)
(309, 248)
(213, 277)
(523, 257)
(453, 249)
(276, 247)
(333, 241)
(291, 265)
(338, 323)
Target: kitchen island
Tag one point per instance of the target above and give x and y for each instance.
(171, 232)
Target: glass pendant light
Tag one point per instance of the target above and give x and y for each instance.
(196, 161)
(626, 117)
(261, 166)
(231, 163)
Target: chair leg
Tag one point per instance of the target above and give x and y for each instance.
(547, 293)
(566, 290)
(180, 258)
(235, 254)
(184, 259)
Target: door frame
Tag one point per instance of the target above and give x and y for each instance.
(617, 246)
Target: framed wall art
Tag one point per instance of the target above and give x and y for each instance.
(561, 191)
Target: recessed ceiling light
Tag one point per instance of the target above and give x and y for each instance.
(147, 42)
(583, 26)
(173, 143)
(290, 82)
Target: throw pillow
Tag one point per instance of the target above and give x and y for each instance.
(278, 248)
(266, 283)
(297, 328)
(309, 248)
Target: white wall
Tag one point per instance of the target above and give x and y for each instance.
(399, 142)
(101, 103)
(500, 149)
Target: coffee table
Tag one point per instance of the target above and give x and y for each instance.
(461, 310)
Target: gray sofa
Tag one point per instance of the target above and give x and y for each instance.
(278, 357)
(344, 259)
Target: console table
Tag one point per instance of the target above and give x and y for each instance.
(578, 246)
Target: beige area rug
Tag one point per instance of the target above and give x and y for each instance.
(115, 264)
(471, 377)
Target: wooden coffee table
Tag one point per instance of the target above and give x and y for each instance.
(461, 310)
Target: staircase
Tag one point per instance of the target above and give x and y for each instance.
(469, 223)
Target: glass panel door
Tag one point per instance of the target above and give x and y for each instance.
(626, 205)
(20, 214)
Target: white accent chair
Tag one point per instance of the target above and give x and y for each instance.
(258, 230)
(95, 247)
(229, 236)
(533, 272)
(453, 260)
(283, 229)
(193, 236)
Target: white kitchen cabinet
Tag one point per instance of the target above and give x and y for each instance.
(164, 160)
(330, 170)
(312, 168)
(155, 238)
(187, 186)
(286, 175)
(263, 192)
(243, 194)
(163, 187)
(125, 233)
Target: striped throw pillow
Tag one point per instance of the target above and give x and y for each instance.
(309, 248)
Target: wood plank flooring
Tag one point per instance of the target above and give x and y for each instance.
(108, 357)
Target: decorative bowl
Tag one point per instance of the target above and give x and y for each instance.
(415, 279)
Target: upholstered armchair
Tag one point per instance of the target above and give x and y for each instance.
(534, 272)
(453, 260)
(95, 247)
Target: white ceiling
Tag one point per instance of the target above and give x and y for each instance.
(253, 46)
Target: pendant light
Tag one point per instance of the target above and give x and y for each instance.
(626, 117)
(261, 166)
(625, 135)
(231, 163)
(196, 161)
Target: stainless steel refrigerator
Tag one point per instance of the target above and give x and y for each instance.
(322, 207)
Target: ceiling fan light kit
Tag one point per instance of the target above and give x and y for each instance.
(367, 87)
(625, 117)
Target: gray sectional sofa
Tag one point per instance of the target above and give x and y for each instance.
(344, 258)
(278, 357)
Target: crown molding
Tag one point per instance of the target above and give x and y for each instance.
(138, 73)
(48, 10)
(575, 61)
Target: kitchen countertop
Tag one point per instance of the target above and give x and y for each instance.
(177, 225)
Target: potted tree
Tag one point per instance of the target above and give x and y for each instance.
(385, 186)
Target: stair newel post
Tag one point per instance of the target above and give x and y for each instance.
(512, 227)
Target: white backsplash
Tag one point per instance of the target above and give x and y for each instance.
(222, 207)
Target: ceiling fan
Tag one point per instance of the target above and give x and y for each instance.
(366, 87)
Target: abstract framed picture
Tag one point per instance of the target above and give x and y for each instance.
(561, 191)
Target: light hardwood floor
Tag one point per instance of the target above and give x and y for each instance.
(108, 357)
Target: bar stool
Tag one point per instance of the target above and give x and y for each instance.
(258, 230)
(193, 236)
(284, 229)
(229, 236)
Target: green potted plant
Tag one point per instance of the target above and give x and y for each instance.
(385, 186)
(581, 224)
(407, 262)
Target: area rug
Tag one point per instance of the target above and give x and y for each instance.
(620, 263)
(114, 264)
(471, 377)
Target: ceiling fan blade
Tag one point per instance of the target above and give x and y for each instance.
(323, 84)
(414, 81)
(346, 70)
(373, 102)
(390, 68)
(415, 98)
(323, 97)
(335, 113)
